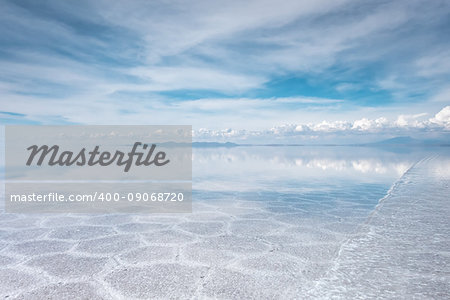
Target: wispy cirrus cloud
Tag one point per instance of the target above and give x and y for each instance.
(245, 66)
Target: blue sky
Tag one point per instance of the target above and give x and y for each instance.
(255, 70)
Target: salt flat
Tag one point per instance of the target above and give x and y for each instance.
(294, 242)
(229, 249)
(403, 250)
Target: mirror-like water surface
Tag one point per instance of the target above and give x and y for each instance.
(267, 222)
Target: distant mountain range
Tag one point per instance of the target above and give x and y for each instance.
(392, 142)
(213, 145)
(396, 141)
(409, 141)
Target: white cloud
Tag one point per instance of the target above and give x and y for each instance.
(54, 70)
(404, 124)
(435, 64)
(252, 104)
(442, 118)
(232, 47)
(326, 126)
(410, 120)
(173, 28)
(443, 95)
(173, 78)
(345, 87)
(367, 125)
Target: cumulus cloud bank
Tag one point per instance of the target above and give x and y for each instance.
(404, 124)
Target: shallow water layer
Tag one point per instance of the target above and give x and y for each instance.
(403, 248)
(267, 222)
